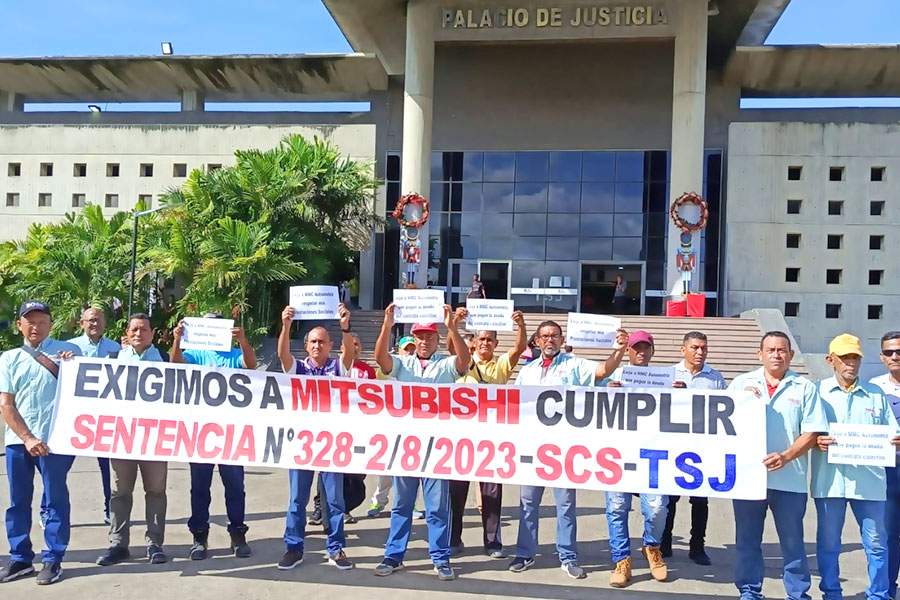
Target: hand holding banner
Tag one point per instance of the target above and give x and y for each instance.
(862, 445)
(648, 376)
(418, 306)
(313, 302)
(592, 331)
(207, 334)
(490, 315)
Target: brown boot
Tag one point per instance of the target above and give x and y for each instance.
(658, 569)
(622, 575)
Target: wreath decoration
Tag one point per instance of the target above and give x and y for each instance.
(413, 198)
(689, 198)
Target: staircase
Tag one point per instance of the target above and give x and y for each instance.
(733, 342)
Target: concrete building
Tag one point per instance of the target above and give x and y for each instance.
(550, 140)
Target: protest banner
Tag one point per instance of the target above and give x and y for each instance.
(697, 442)
(490, 315)
(207, 334)
(862, 445)
(313, 302)
(419, 306)
(648, 376)
(585, 330)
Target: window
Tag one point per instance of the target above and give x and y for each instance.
(146, 200)
(79, 170)
(112, 169)
(833, 276)
(832, 311)
(875, 311)
(792, 274)
(14, 169)
(78, 200)
(876, 242)
(12, 199)
(112, 201)
(876, 209)
(792, 240)
(836, 174)
(791, 309)
(179, 170)
(212, 167)
(835, 241)
(876, 276)
(794, 173)
(876, 174)
(793, 207)
(46, 169)
(146, 170)
(835, 207)
(45, 199)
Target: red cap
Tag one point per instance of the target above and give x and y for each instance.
(424, 327)
(639, 336)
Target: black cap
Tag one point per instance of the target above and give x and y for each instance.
(32, 306)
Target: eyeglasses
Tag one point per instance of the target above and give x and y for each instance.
(552, 336)
(890, 353)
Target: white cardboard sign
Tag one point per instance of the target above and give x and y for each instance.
(207, 334)
(585, 330)
(648, 376)
(314, 302)
(490, 315)
(418, 306)
(862, 445)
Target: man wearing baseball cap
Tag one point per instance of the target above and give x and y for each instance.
(425, 365)
(654, 507)
(28, 381)
(847, 400)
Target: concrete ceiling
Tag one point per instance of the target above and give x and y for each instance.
(245, 78)
(816, 71)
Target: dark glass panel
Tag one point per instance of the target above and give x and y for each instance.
(498, 197)
(531, 197)
(629, 198)
(499, 166)
(564, 198)
(598, 166)
(597, 197)
(565, 166)
(532, 166)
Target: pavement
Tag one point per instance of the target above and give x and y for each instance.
(223, 576)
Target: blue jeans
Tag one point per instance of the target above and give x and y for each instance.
(654, 508)
(892, 527)
(870, 516)
(788, 509)
(566, 525)
(233, 481)
(437, 517)
(333, 509)
(54, 468)
(105, 479)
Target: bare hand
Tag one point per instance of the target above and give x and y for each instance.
(774, 461)
(896, 441)
(36, 447)
(679, 384)
(238, 334)
(614, 384)
(344, 314)
(389, 315)
(287, 316)
(178, 331)
(461, 314)
(823, 441)
(449, 321)
(621, 338)
(518, 318)
(754, 391)
(65, 354)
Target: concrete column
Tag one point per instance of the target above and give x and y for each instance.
(688, 122)
(11, 102)
(192, 100)
(417, 106)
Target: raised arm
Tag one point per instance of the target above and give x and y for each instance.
(284, 340)
(249, 354)
(348, 348)
(521, 338)
(606, 368)
(177, 356)
(461, 314)
(383, 343)
(462, 349)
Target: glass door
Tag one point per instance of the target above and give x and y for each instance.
(495, 277)
(597, 288)
(459, 281)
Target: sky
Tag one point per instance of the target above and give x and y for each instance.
(137, 27)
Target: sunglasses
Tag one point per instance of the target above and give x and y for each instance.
(890, 353)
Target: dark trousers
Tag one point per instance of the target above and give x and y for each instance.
(699, 517)
(105, 479)
(491, 503)
(235, 501)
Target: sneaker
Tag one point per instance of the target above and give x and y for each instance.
(388, 566)
(315, 518)
(51, 573)
(658, 569)
(497, 553)
(520, 563)
(239, 544)
(198, 548)
(156, 555)
(622, 575)
(291, 559)
(572, 569)
(340, 561)
(15, 570)
(374, 510)
(349, 519)
(106, 520)
(444, 572)
(113, 556)
(457, 550)
(418, 514)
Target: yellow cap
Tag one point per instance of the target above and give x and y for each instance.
(845, 344)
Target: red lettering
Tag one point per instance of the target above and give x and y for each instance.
(324, 395)
(573, 453)
(344, 388)
(550, 468)
(371, 402)
(229, 440)
(424, 402)
(512, 406)
(104, 430)
(206, 431)
(82, 425)
(185, 440)
(606, 459)
(164, 436)
(487, 403)
(464, 398)
(146, 425)
(246, 447)
(306, 398)
(444, 402)
(404, 408)
(124, 436)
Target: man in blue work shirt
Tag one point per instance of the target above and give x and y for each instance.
(28, 380)
(428, 366)
(201, 474)
(93, 344)
(794, 420)
(318, 363)
(847, 400)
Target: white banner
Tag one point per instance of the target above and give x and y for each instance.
(313, 302)
(489, 315)
(694, 442)
(419, 306)
(207, 334)
(585, 330)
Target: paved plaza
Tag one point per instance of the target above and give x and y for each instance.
(223, 576)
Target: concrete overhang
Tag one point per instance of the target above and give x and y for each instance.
(238, 78)
(816, 71)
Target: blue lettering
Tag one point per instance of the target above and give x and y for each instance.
(730, 476)
(681, 463)
(654, 456)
